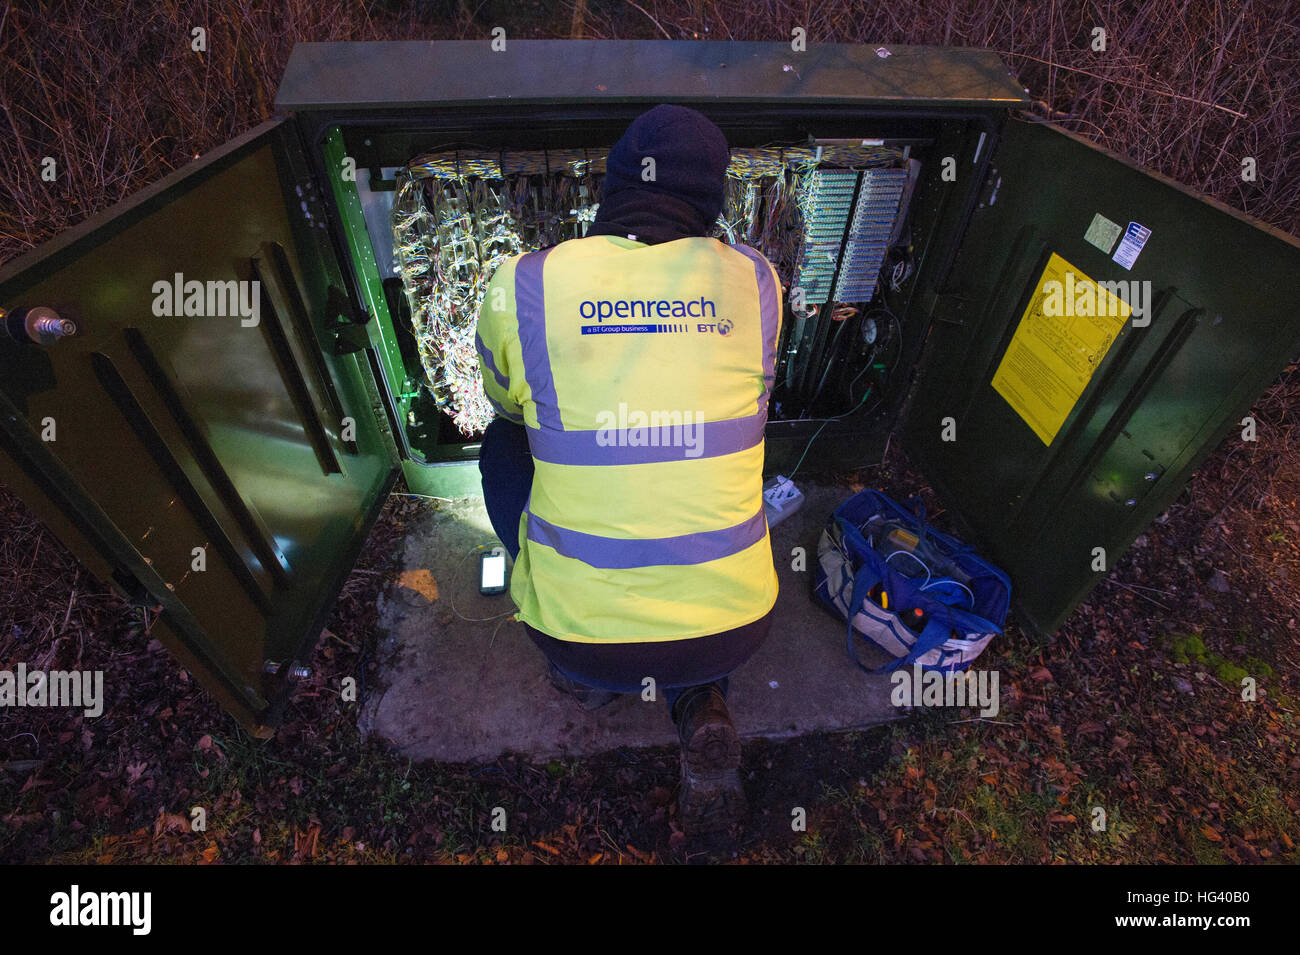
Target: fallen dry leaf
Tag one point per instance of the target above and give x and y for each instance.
(170, 822)
(304, 843)
(420, 581)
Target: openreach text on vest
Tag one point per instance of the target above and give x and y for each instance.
(650, 308)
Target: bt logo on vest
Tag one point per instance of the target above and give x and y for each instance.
(722, 327)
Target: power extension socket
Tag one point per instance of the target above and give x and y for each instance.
(780, 499)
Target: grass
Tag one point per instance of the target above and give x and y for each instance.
(1189, 648)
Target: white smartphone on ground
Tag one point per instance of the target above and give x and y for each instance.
(492, 571)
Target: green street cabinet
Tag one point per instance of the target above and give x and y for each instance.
(259, 444)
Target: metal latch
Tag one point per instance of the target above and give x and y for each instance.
(38, 323)
(348, 323)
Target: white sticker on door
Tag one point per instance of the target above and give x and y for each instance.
(1135, 237)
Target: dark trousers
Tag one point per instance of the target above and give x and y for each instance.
(675, 665)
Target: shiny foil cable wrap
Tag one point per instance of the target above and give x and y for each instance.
(448, 244)
(457, 215)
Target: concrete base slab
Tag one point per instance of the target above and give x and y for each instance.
(459, 690)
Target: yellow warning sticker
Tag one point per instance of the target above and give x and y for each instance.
(1066, 330)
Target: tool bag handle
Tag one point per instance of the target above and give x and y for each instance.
(934, 634)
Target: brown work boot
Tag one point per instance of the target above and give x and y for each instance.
(712, 799)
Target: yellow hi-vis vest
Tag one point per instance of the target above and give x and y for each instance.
(642, 373)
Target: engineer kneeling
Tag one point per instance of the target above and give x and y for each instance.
(630, 371)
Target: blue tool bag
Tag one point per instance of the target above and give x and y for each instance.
(919, 595)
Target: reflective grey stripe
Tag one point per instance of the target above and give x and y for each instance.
(769, 303)
(709, 439)
(530, 309)
(619, 553)
(490, 362)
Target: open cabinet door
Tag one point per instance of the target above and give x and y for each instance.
(196, 442)
(1056, 435)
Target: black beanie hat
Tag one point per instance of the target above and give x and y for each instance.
(690, 167)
